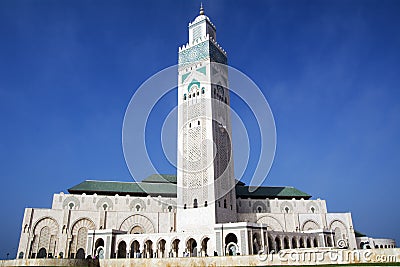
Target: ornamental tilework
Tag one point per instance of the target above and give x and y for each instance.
(201, 51)
(194, 53)
(216, 55)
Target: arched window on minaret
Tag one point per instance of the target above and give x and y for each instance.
(195, 205)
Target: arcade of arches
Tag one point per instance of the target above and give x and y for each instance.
(162, 248)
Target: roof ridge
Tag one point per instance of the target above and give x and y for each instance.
(102, 181)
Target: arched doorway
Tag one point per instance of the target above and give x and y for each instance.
(148, 249)
(302, 242)
(175, 248)
(256, 243)
(121, 250)
(79, 232)
(308, 243)
(135, 249)
(294, 242)
(329, 241)
(204, 247)
(271, 246)
(278, 245)
(161, 249)
(231, 247)
(80, 254)
(42, 253)
(191, 247)
(99, 248)
(286, 243)
(45, 234)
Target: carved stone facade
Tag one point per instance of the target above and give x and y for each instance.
(199, 212)
(78, 225)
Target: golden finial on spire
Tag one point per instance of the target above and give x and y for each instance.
(201, 8)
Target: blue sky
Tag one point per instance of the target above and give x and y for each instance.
(330, 71)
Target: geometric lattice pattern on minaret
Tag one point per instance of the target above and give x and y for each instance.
(205, 168)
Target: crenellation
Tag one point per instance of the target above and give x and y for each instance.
(204, 38)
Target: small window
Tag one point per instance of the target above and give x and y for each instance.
(71, 205)
(312, 209)
(205, 204)
(190, 125)
(195, 205)
(105, 206)
(259, 209)
(190, 96)
(197, 92)
(194, 94)
(225, 203)
(219, 204)
(137, 207)
(184, 206)
(184, 97)
(287, 210)
(203, 91)
(198, 122)
(169, 208)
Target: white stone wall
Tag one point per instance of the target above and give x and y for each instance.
(281, 206)
(153, 215)
(57, 229)
(113, 203)
(340, 223)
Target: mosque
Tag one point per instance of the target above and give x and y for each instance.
(201, 211)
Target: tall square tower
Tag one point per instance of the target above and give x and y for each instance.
(205, 182)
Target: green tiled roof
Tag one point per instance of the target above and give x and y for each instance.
(127, 188)
(358, 234)
(165, 185)
(160, 178)
(283, 192)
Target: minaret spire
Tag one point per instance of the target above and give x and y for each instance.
(201, 8)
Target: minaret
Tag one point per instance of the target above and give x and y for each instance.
(206, 184)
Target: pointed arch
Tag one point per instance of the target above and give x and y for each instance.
(310, 225)
(104, 201)
(78, 233)
(82, 222)
(137, 220)
(272, 223)
(45, 235)
(259, 207)
(137, 205)
(71, 200)
(340, 230)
